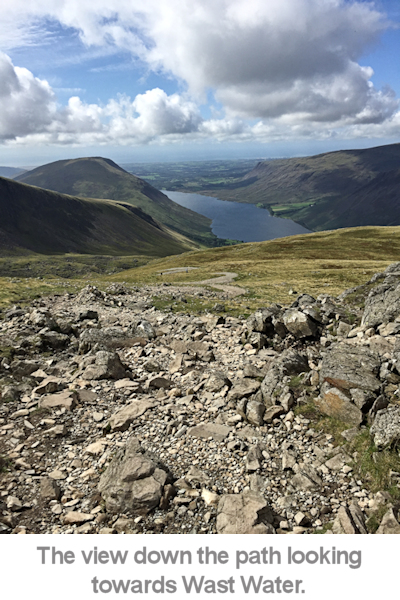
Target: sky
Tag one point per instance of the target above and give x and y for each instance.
(166, 80)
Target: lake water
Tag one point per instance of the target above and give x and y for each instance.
(236, 220)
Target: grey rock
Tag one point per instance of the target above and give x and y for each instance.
(65, 399)
(255, 413)
(253, 459)
(363, 399)
(346, 367)
(386, 427)
(152, 366)
(107, 365)
(217, 381)
(105, 337)
(49, 489)
(123, 418)
(289, 363)
(273, 412)
(299, 324)
(206, 430)
(244, 389)
(132, 482)
(382, 304)
(246, 513)
(52, 340)
(261, 320)
(389, 524)
(307, 479)
(336, 404)
(349, 520)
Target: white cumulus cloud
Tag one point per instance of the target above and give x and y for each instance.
(291, 65)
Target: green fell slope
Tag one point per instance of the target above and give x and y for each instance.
(102, 178)
(36, 220)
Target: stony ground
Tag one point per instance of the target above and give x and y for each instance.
(117, 417)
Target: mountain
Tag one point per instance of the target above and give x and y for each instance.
(11, 172)
(36, 220)
(102, 178)
(336, 189)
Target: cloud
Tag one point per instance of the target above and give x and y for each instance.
(29, 113)
(261, 59)
(277, 67)
(27, 104)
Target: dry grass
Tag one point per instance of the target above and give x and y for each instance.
(327, 262)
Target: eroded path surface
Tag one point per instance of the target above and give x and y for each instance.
(221, 283)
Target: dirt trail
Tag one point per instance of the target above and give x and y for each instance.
(221, 283)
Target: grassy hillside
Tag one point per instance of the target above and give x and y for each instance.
(102, 178)
(338, 189)
(36, 220)
(326, 262)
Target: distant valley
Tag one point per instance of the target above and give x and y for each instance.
(347, 188)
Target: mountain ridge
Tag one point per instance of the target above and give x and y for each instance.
(37, 220)
(97, 177)
(323, 191)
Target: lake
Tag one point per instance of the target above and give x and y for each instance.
(237, 221)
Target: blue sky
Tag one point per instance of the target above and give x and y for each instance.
(196, 79)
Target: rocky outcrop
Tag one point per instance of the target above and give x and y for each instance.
(133, 481)
(144, 421)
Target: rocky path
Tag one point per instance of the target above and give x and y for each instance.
(116, 417)
(222, 283)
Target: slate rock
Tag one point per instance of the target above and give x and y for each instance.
(65, 399)
(382, 304)
(386, 427)
(206, 430)
(346, 366)
(246, 513)
(299, 324)
(335, 403)
(133, 481)
(255, 413)
(349, 520)
(107, 365)
(122, 419)
(217, 381)
(49, 489)
(389, 524)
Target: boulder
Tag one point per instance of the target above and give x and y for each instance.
(382, 304)
(299, 324)
(345, 366)
(133, 481)
(107, 365)
(386, 427)
(261, 320)
(255, 412)
(217, 381)
(289, 363)
(243, 389)
(244, 513)
(349, 520)
(106, 338)
(389, 524)
(66, 399)
(335, 403)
